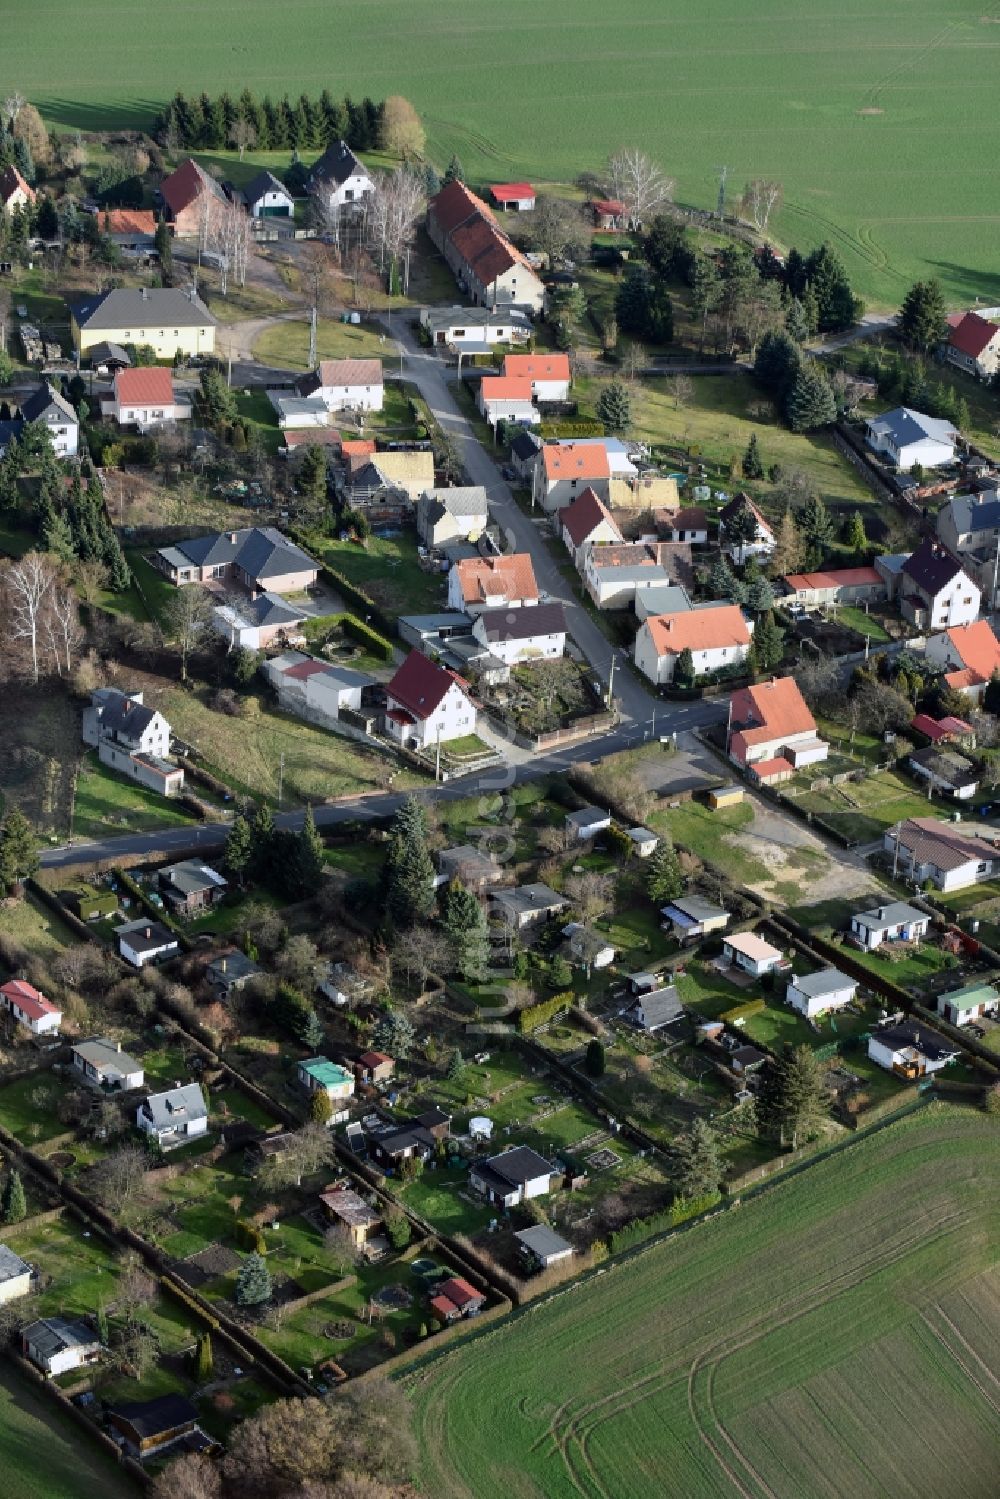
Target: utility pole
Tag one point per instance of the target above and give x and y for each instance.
(437, 761)
(406, 273)
(281, 776)
(720, 207)
(312, 338)
(729, 727)
(611, 681)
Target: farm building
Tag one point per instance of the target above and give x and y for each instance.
(264, 197)
(169, 320)
(515, 197)
(485, 262)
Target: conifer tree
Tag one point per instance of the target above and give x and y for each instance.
(253, 1282)
(13, 1207)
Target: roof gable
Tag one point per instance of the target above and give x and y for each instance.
(972, 335)
(145, 386)
(584, 515)
(771, 710)
(420, 685)
(698, 630)
(186, 185)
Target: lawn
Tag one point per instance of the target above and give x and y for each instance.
(30, 1121)
(318, 766)
(716, 421)
(36, 927)
(73, 1467)
(920, 964)
(106, 803)
(865, 624)
(694, 826)
(257, 412)
(388, 570)
(862, 810)
(286, 346)
(706, 1358)
(848, 112)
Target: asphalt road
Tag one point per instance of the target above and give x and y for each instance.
(205, 838)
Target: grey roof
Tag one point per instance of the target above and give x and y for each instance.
(903, 425)
(337, 164)
(51, 1335)
(46, 404)
(663, 598)
(826, 981)
(346, 676)
(520, 1164)
(642, 835)
(524, 623)
(913, 1033)
(297, 405)
(149, 1418)
(893, 913)
(105, 352)
(893, 562)
(452, 619)
(121, 714)
(141, 307)
(11, 1264)
(462, 499)
(543, 1241)
(229, 966)
(264, 182)
(467, 856)
(946, 765)
(535, 897)
(524, 446)
(659, 1007)
(931, 567)
(259, 551)
(145, 935)
(697, 908)
(979, 512)
(632, 574)
(586, 815)
(175, 1106)
(191, 876)
(102, 1053)
(475, 317)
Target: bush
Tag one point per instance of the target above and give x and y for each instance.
(743, 1011)
(250, 1237)
(534, 1016)
(571, 428)
(366, 636)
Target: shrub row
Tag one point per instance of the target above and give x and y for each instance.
(533, 1016)
(641, 1229)
(571, 428)
(743, 1011)
(365, 635)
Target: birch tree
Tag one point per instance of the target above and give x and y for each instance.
(61, 624)
(638, 184)
(27, 585)
(760, 199)
(231, 237)
(395, 206)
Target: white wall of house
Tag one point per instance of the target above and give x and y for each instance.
(343, 194)
(559, 493)
(811, 1005)
(513, 652)
(661, 668)
(329, 697)
(356, 397)
(454, 717)
(505, 409)
(272, 200)
(141, 959)
(956, 604)
(603, 534)
(18, 1285)
(957, 793)
(889, 1057)
(145, 417)
(44, 1024)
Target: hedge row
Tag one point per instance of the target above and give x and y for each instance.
(365, 635)
(642, 1229)
(155, 912)
(571, 428)
(530, 1019)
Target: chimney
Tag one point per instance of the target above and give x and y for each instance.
(232, 537)
(148, 933)
(224, 962)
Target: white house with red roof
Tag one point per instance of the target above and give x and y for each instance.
(479, 583)
(504, 398)
(14, 191)
(513, 197)
(974, 343)
(345, 384)
(547, 374)
(716, 637)
(969, 654)
(427, 705)
(30, 1008)
(563, 470)
(588, 522)
(771, 731)
(145, 398)
(484, 261)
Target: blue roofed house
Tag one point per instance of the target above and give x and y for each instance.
(904, 437)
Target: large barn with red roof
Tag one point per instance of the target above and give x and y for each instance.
(491, 269)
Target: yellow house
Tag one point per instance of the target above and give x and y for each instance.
(167, 319)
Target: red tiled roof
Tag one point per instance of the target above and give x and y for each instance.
(691, 519)
(512, 577)
(572, 460)
(972, 334)
(955, 725)
(455, 203)
(766, 770)
(936, 729)
(698, 630)
(350, 371)
(10, 181)
(129, 221)
(358, 447)
(327, 437)
(777, 710)
(374, 1058)
(420, 685)
(474, 232)
(444, 1307)
(459, 1291)
(146, 386)
(507, 192)
(29, 1000)
(305, 669)
(607, 205)
(843, 577)
(537, 366)
(186, 186)
(502, 388)
(977, 648)
(584, 515)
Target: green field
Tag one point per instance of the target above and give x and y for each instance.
(43, 1455)
(835, 1336)
(865, 115)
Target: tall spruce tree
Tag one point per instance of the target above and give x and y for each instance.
(253, 1282)
(923, 321)
(794, 1101)
(18, 851)
(696, 1162)
(13, 1207)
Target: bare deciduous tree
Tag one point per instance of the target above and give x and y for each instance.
(420, 952)
(192, 1476)
(61, 624)
(760, 199)
(638, 184)
(309, 1150)
(242, 135)
(117, 1179)
(188, 619)
(393, 209)
(231, 237)
(592, 893)
(27, 586)
(401, 131)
